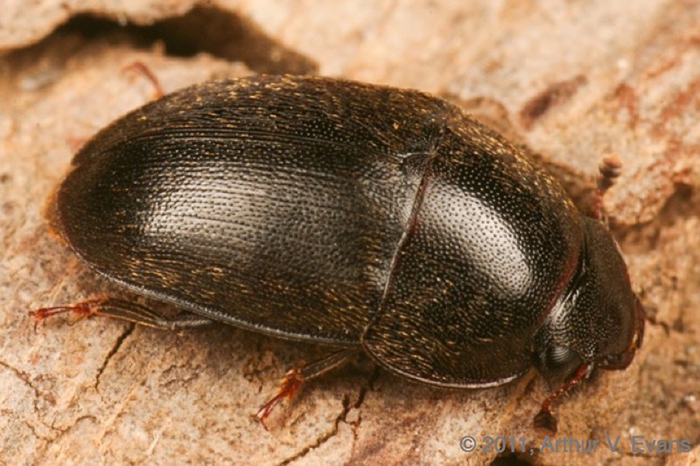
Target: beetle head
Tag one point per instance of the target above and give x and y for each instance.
(598, 320)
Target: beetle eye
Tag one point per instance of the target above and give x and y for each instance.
(560, 362)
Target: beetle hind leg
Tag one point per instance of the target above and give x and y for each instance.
(123, 310)
(142, 68)
(294, 379)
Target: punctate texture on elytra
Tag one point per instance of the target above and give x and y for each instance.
(352, 215)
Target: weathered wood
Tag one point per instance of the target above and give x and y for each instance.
(575, 81)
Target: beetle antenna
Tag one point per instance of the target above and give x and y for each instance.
(609, 170)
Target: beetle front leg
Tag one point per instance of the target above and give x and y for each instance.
(123, 310)
(293, 380)
(545, 420)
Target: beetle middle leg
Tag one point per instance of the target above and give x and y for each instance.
(124, 310)
(293, 380)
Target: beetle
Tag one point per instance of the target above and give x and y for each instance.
(366, 218)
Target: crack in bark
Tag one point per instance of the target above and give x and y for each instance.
(60, 432)
(368, 386)
(23, 376)
(117, 344)
(332, 432)
(37, 434)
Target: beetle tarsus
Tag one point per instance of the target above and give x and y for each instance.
(288, 387)
(127, 311)
(296, 377)
(545, 420)
(81, 310)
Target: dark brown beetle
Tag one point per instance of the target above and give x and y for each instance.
(358, 216)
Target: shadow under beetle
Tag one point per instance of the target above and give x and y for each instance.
(362, 217)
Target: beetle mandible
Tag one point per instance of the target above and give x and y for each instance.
(359, 216)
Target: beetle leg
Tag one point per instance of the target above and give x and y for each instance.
(293, 380)
(124, 310)
(609, 170)
(142, 68)
(545, 419)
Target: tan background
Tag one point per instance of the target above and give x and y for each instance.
(574, 80)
